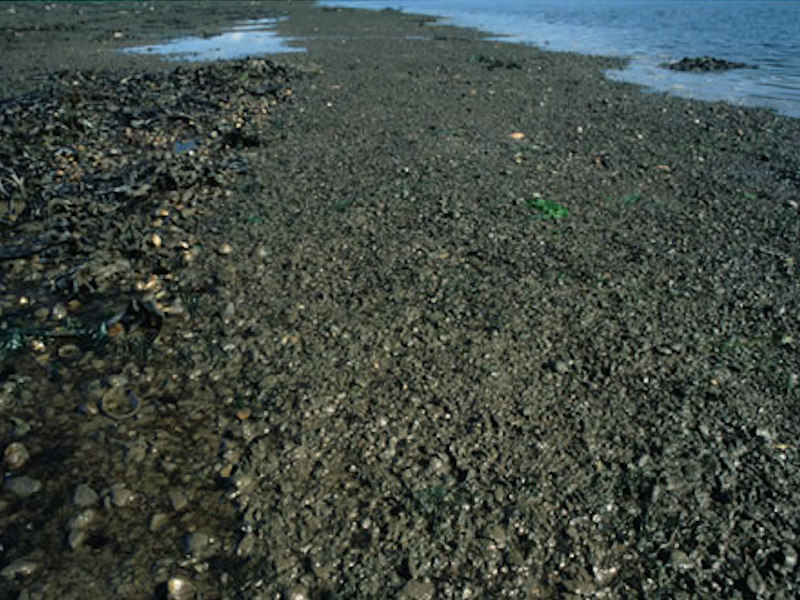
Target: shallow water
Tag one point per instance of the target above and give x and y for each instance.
(763, 33)
(247, 39)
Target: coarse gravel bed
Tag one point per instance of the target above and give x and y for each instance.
(410, 315)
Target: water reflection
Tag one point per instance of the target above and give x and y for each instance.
(250, 38)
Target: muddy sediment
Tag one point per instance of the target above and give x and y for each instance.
(409, 315)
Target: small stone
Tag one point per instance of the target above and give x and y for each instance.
(789, 557)
(178, 499)
(225, 249)
(298, 592)
(83, 519)
(157, 522)
(23, 486)
(755, 583)
(21, 428)
(418, 590)
(581, 587)
(16, 455)
(559, 366)
(246, 545)
(22, 567)
(77, 538)
(229, 311)
(180, 588)
(121, 496)
(59, 312)
(196, 543)
(155, 239)
(680, 560)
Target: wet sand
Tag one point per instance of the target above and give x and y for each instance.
(381, 347)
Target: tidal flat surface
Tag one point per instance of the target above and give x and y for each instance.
(390, 318)
(649, 33)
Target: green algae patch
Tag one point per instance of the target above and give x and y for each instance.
(547, 209)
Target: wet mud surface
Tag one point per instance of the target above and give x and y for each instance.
(410, 315)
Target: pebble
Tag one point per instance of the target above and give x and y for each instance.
(418, 590)
(229, 311)
(21, 428)
(83, 519)
(178, 499)
(180, 588)
(23, 486)
(679, 559)
(755, 583)
(225, 249)
(195, 543)
(16, 455)
(22, 567)
(157, 522)
(298, 592)
(77, 538)
(121, 496)
(59, 312)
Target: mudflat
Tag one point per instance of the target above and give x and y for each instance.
(411, 314)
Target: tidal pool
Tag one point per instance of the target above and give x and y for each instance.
(250, 38)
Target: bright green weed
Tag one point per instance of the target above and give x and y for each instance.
(547, 209)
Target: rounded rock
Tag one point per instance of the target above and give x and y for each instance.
(59, 312)
(157, 522)
(23, 486)
(229, 311)
(298, 592)
(16, 455)
(180, 588)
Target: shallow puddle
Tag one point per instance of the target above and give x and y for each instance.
(250, 38)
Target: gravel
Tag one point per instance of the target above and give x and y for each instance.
(371, 342)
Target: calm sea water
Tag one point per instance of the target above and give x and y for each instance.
(763, 33)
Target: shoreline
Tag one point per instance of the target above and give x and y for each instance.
(389, 318)
(643, 68)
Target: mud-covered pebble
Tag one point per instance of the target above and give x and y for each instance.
(121, 496)
(196, 543)
(77, 538)
(22, 567)
(23, 486)
(157, 522)
(418, 590)
(83, 519)
(228, 311)
(59, 312)
(679, 559)
(178, 499)
(84, 496)
(297, 592)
